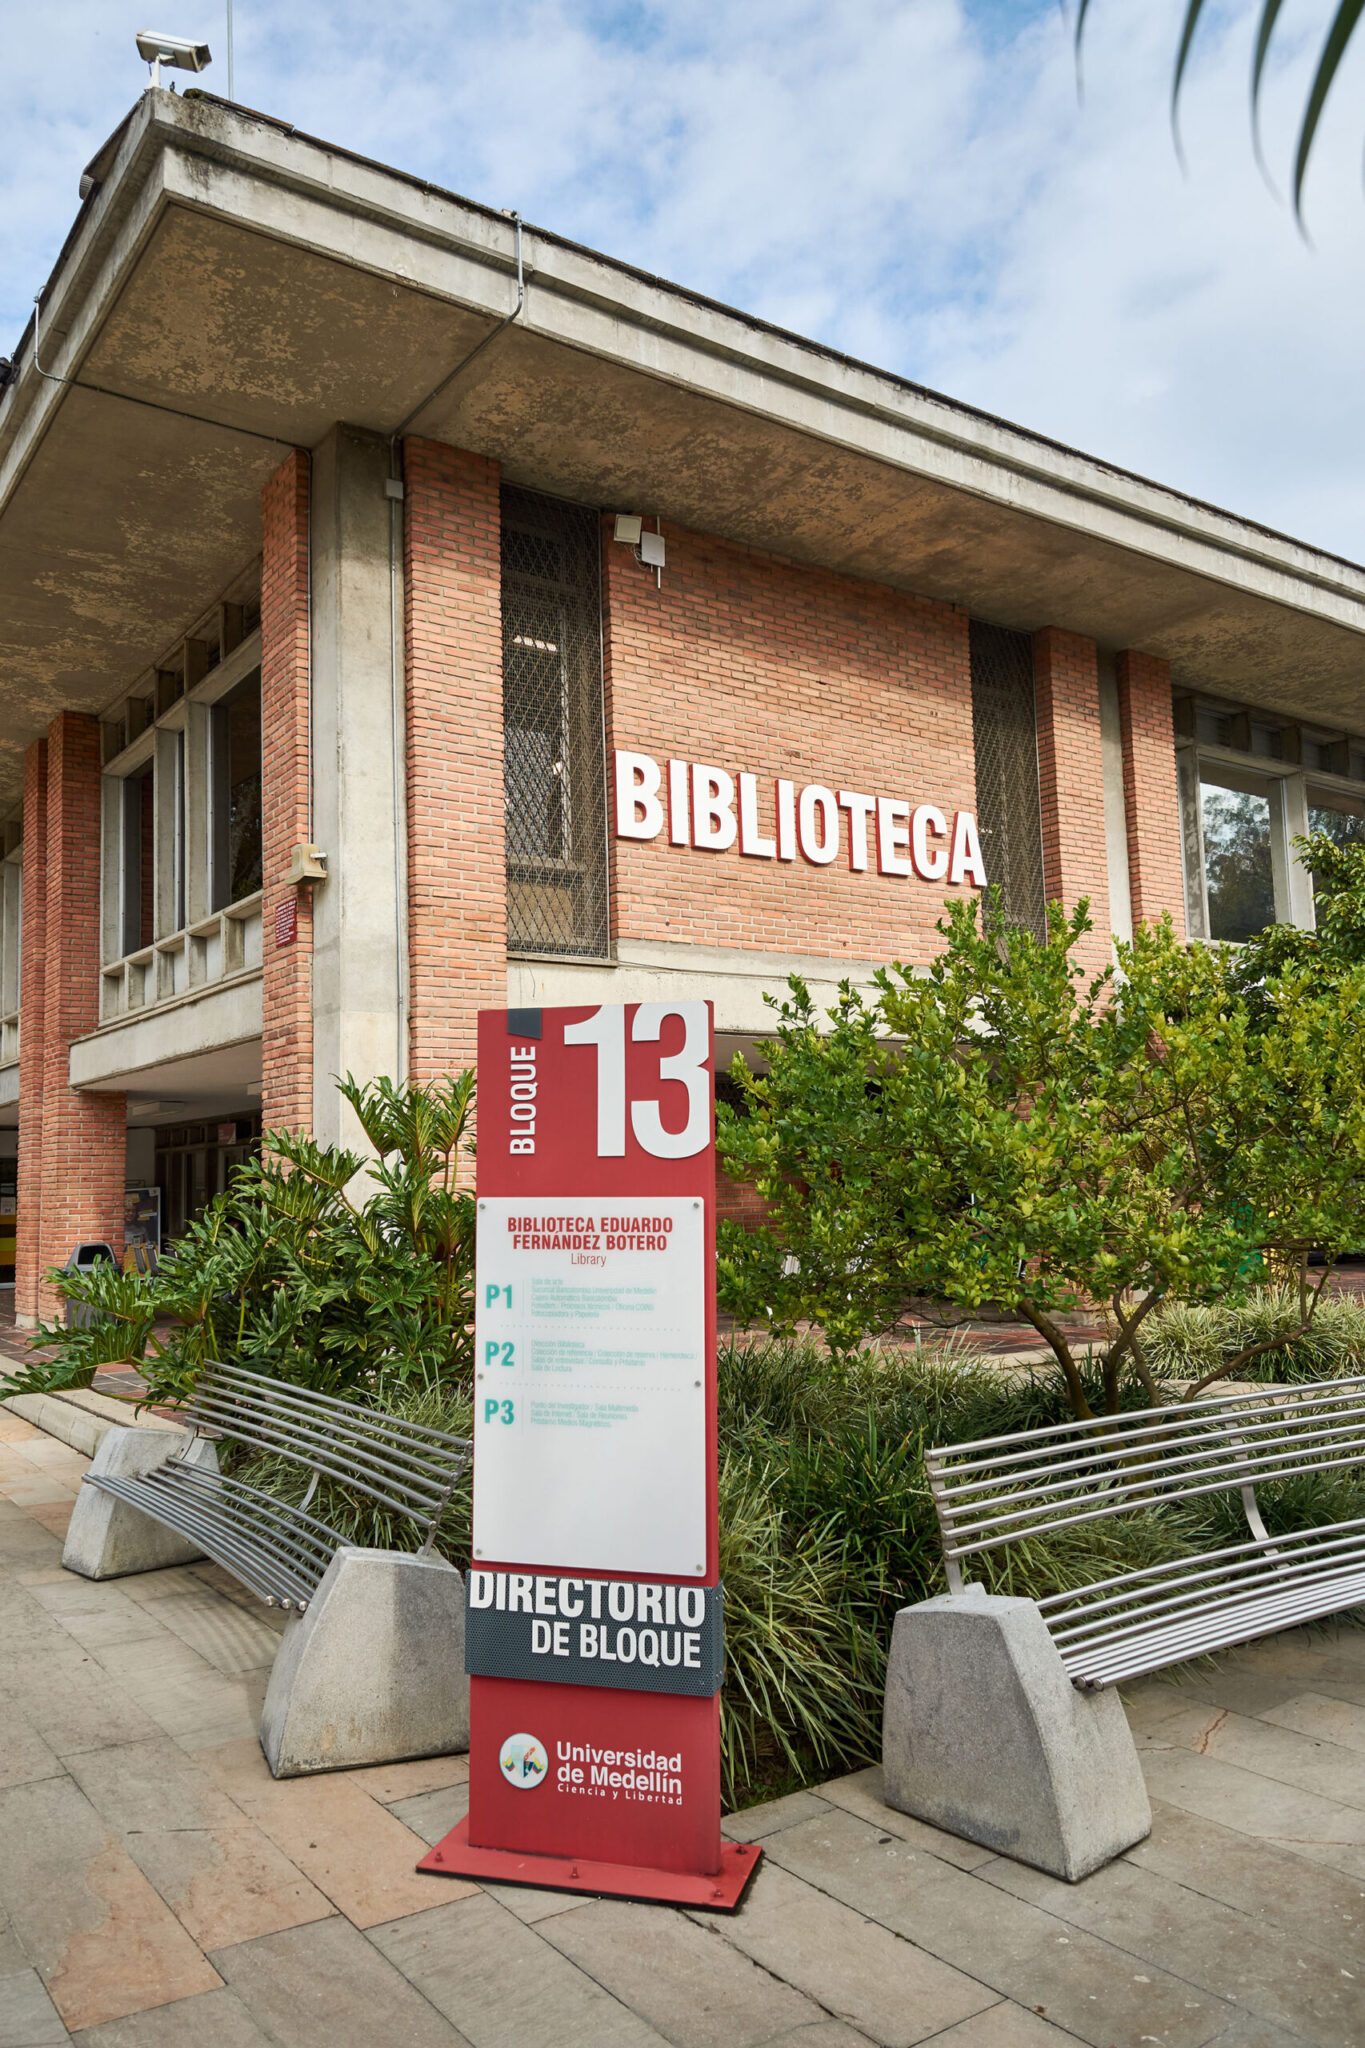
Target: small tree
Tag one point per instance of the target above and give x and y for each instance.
(1006, 1128)
(290, 1273)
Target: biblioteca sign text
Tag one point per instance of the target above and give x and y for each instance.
(711, 809)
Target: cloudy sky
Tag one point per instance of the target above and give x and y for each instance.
(911, 181)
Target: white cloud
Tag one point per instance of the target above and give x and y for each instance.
(909, 180)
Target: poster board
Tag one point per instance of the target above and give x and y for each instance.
(594, 1612)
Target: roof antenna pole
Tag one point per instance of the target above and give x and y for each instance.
(231, 94)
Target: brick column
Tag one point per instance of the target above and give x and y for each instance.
(84, 1138)
(1071, 780)
(287, 968)
(1150, 794)
(32, 986)
(457, 885)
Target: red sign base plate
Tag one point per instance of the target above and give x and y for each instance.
(721, 1892)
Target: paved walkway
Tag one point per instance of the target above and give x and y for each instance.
(159, 1890)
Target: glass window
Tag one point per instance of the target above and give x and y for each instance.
(1239, 818)
(237, 794)
(1340, 816)
(135, 893)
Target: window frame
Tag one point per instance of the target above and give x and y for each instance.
(178, 748)
(1286, 783)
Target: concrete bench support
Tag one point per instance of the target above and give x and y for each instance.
(107, 1537)
(374, 1670)
(984, 1734)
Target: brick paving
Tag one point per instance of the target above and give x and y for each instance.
(159, 1889)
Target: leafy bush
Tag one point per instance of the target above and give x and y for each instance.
(292, 1272)
(1005, 1127)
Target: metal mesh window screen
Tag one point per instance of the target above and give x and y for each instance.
(1005, 736)
(554, 766)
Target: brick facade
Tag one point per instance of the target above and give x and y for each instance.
(1071, 781)
(32, 987)
(84, 1134)
(751, 662)
(457, 891)
(1150, 794)
(287, 977)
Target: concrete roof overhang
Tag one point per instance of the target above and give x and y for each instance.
(231, 288)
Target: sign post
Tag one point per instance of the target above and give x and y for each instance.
(593, 1623)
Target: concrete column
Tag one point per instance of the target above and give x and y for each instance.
(32, 1037)
(358, 774)
(1071, 780)
(457, 884)
(84, 1135)
(1151, 796)
(287, 922)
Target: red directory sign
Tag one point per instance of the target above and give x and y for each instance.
(593, 1622)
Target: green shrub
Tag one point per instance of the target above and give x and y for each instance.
(1187, 1340)
(294, 1273)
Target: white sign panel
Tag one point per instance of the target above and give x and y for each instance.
(589, 1385)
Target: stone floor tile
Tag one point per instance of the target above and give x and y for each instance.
(390, 1782)
(12, 1957)
(1018, 1950)
(502, 1985)
(432, 1814)
(1004, 2026)
(176, 1579)
(326, 1986)
(1271, 1885)
(28, 2018)
(95, 1614)
(1258, 1806)
(1242, 1692)
(1250, 2033)
(861, 1794)
(183, 1693)
(24, 1756)
(60, 1461)
(72, 1700)
(104, 1943)
(36, 1489)
(24, 1541)
(823, 2034)
(54, 1515)
(859, 1971)
(1148, 1701)
(224, 1879)
(230, 1637)
(344, 1842)
(696, 1988)
(215, 2019)
(1329, 1720)
(530, 1903)
(752, 1823)
(1259, 1968)
(1275, 1751)
(14, 1430)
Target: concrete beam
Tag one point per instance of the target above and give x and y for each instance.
(227, 1014)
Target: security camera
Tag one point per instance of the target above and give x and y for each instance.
(177, 51)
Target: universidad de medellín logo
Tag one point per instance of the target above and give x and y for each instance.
(523, 1761)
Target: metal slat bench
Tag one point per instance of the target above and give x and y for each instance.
(153, 1498)
(1040, 1483)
